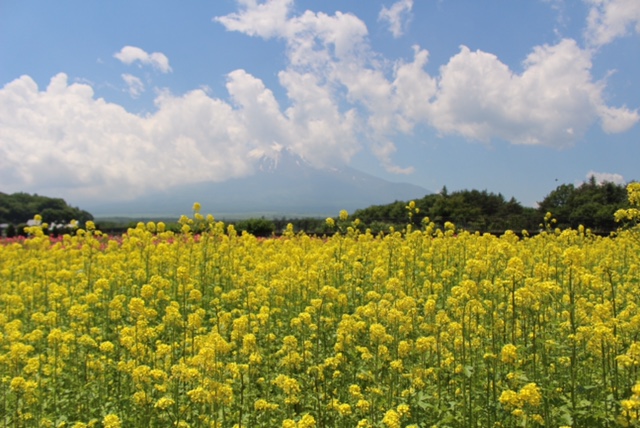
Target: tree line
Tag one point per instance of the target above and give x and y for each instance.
(18, 208)
(589, 204)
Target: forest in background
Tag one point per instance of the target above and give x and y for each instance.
(590, 204)
(18, 208)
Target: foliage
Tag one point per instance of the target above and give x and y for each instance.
(312, 226)
(630, 217)
(430, 327)
(468, 209)
(591, 204)
(257, 226)
(17, 208)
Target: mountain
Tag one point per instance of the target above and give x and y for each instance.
(284, 184)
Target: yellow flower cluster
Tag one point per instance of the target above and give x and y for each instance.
(631, 214)
(630, 408)
(207, 327)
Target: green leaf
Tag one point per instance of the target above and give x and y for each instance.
(468, 371)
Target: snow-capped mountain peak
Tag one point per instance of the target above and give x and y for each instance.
(279, 158)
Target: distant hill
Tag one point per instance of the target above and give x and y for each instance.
(17, 208)
(284, 185)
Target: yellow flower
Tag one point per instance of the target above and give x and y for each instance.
(344, 409)
(530, 394)
(262, 405)
(404, 410)
(111, 421)
(377, 332)
(164, 403)
(509, 354)
(509, 398)
(397, 365)
(18, 384)
(46, 423)
(141, 398)
(363, 405)
(355, 391)
(518, 413)
(198, 395)
(538, 419)
(391, 419)
(290, 386)
(307, 421)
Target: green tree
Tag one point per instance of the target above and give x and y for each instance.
(468, 209)
(20, 207)
(591, 205)
(256, 226)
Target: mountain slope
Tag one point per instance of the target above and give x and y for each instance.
(285, 185)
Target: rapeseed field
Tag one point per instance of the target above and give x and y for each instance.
(428, 327)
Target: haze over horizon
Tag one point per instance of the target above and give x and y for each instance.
(108, 102)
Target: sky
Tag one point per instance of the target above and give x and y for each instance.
(105, 101)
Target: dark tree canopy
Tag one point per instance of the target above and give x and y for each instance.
(18, 208)
(469, 209)
(590, 204)
(256, 226)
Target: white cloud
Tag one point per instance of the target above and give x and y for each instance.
(134, 85)
(397, 16)
(606, 177)
(615, 120)
(265, 20)
(65, 140)
(256, 109)
(319, 130)
(130, 54)
(552, 102)
(328, 56)
(610, 19)
(415, 89)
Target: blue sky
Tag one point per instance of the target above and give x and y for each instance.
(108, 100)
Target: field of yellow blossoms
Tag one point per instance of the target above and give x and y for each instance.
(425, 328)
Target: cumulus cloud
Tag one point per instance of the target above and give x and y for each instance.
(610, 19)
(258, 19)
(397, 16)
(552, 102)
(91, 149)
(130, 54)
(337, 88)
(134, 85)
(606, 177)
